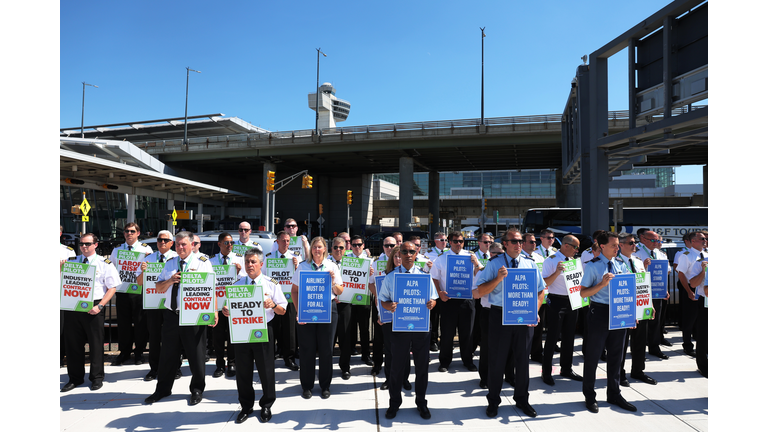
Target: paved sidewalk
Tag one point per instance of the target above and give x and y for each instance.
(678, 403)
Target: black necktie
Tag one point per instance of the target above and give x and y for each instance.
(546, 253)
(514, 263)
(610, 268)
(223, 260)
(282, 256)
(632, 266)
(485, 256)
(701, 254)
(175, 293)
(162, 258)
(130, 247)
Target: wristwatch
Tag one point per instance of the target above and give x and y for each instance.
(100, 306)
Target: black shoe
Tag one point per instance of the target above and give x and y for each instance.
(407, 385)
(178, 374)
(492, 411)
(151, 376)
(138, 361)
(471, 367)
(375, 372)
(385, 386)
(442, 369)
(665, 342)
(391, 413)
(547, 380)
(527, 409)
(154, 397)
(368, 361)
(690, 352)
(483, 384)
(623, 382)
(231, 371)
(571, 375)
(290, 364)
(433, 347)
(218, 372)
(266, 414)
(704, 373)
(345, 375)
(644, 378)
(325, 394)
(119, 360)
(424, 412)
(659, 354)
(96, 385)
(69, 386)
(207, 358)
(620, 402)
(592, 407)
(243, 416)
(196, 397)
(306, 394)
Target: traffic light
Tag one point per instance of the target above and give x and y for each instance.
(430, 218)
(270, 180)
(321, 208)
(349, 197)
(306, 182)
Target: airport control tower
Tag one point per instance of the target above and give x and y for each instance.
(332, 109)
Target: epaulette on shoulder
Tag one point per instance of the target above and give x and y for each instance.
(686, 252)
(145, 245)
(202, 258)
(70, 248)
(74, 258)
(106, 260)
(239, 255)
(551, 257)
(556, 249)
(595, 259)
(268, 255)
(274, 281)
(494, 257)
(527, 257)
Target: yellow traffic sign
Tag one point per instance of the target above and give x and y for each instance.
(174, 215)
(86, 219)
(85, 207)
(174, 222)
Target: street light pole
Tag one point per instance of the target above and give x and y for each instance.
(186, 102)
(82, 114)
(317, 94)
(482, 76)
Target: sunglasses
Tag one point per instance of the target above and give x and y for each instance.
(457, 241)
(632, 243)
(441, 240)
(129, 231)
(356, 244)
(573, 246)
(515, 242)
(228, 243)
(291, 226)
(531, 241)
(486, 242)
(195, 243)
(389, 245)
(164, 240)
(338, 248)
(408, 251)
(86, 244)
(244, 229)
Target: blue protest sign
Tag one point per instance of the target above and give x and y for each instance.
(621, 302)
(458, 276)
(411, 294)
(384, 315)
(659, 270)
(315, 294)
(520, 304)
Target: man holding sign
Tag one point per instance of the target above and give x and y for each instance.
(81, 326)
(251, 312)
(131, 324)
(281, 265)
(561, 317)
(693, 267)
(598, 273)
(229, 268)
(405, 342)
(509, 340)
(175, 335)
(452, 274)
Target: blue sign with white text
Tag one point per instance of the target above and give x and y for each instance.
(659, 269)
(384, 315)
(411, 294)
(315, 294)
(458, 276)
(520, 297)
(622, 300)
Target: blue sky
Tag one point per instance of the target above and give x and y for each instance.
(393, 61)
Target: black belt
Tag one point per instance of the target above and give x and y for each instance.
(496, 307)
(595, 304)
(558, 295)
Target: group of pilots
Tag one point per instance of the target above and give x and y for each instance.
(504, 349)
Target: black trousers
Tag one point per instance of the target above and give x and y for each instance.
(656, 326)
(263, 354)
(482, 368)
(220, 338)
(601, 338)
(131, 324)
(702, 337)
(378, 340)
(477, 326)
(434, 322)
(343, 333)
(360, 321)
(636, 340)
(386, 330)
(317, 338)
(456, 313)
(81, 328)
(537, 349)
(561, 323)
(154, 331)
(285, 333)
(514, 340)
(402, 344)
(689, 312)
(62, 343)
(175, 337)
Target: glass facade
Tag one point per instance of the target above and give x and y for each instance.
(495, 184)
(665, 176)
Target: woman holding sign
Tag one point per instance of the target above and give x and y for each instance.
(345, 314)
(317, 315)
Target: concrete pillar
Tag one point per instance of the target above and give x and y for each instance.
(131, 208)
(366, 200)
(593, 109)
(434, 202)
(266, 214)
(406, 192)
(200, 215)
